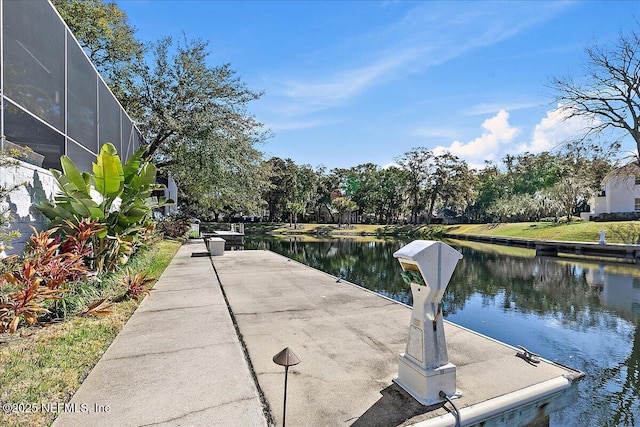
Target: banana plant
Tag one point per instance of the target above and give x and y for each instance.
(123, 202)
(74, 199)
(136, 204)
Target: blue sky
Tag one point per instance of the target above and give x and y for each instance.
(354, 82)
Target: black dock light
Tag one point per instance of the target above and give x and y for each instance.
(285, 358)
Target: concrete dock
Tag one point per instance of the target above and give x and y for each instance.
(180, 360)
(348, 340)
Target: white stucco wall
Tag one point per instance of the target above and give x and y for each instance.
(599, 205)
(621, 194)
(39, 185)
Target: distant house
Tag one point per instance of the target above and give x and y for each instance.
(619, 197)
(447, 216)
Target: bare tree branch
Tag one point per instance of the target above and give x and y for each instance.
(610, 91)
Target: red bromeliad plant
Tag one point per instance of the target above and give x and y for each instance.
(136, 283)
(54, 265)
(46, 267)
(101, 307)
(42, 246)
(79, 239)
(28, 302)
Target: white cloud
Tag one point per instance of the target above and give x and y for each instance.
(346, 83)
(391, 165)
(499, 137)
(554, 129)
(498, 132)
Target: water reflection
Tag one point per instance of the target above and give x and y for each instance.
(583, 315)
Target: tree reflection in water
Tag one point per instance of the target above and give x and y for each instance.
(583, 315)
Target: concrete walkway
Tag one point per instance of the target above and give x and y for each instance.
(177, 362)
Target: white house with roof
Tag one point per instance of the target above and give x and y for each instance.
(620, 194)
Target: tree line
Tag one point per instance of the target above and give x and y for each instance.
(422, 185)
(196, 121)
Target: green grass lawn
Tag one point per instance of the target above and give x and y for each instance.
(574, 231)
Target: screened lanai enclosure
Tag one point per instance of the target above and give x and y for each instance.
(53, 99)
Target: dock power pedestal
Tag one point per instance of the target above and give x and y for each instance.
(424, 369)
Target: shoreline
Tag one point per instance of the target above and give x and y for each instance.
(625, 232)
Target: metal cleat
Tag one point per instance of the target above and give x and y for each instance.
(528, 356)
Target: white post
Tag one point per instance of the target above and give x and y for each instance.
(603, 240)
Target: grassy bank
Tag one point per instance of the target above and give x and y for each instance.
(46, 365)
(574, 231)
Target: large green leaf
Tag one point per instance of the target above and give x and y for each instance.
(73, 174)
(158, 202)
(132, 166)
(108, 175)
(48, 209)
(145, 179)
(148, 176)
(64, 183)
(74, 200)
(90, 205)
(55, 213)
(137, 213)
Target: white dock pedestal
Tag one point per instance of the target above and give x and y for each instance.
(216, 246)
(424, 370)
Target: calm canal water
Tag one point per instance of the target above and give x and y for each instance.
(581, 314)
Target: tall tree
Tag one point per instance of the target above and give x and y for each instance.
(300, 193)
(344, 205)
(274, 194)
(570, 191)
(489, 187)
(358, 184)
(451, 184)
(186, 101)
(195, 119)
(321, 197)
(527, 173)
(193, 115)
(389, 193)
(418, 163)
(432, 179)
(583, 166)
(291, 189)
(609, 94)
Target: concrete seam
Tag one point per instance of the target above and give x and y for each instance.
(196, 411)
(186, 307)
(158, 353)
(266, 408)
